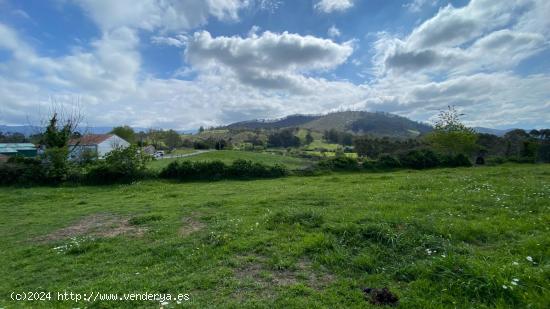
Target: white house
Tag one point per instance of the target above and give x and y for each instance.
(97, 144)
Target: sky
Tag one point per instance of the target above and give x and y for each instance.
(190, 63)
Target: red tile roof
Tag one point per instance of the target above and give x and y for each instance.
(90, 139)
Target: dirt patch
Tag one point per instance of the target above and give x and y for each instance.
(381, 297)
(189, 226)
(256, 271)
(96, 225)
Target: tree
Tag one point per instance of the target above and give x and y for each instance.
(201, 129)
(126, 133)
(309, 138)
(284, 138)
(451, 136)
(62, 126)
(172, 139)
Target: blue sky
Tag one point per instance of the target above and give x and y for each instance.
(183, 64)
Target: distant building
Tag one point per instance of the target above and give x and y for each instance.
(18, 149)
(150, 150)
(95, 144)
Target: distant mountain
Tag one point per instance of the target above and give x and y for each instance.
(497, 132)
(376, 124)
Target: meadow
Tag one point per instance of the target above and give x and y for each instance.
(461, 238)
(228, 156)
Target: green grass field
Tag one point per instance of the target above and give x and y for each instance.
(228, 156)
(443, 238)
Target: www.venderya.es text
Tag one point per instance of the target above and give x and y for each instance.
(99, 296)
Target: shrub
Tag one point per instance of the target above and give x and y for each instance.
(419, 159)
(456, 161)
(249, 169)
(214, 170)
(339, 163)
(23, 171)
(120, 165)
(495, 160)
(387, 161)
(189, 170)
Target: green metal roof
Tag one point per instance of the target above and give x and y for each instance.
(7, 150)
(16, 146)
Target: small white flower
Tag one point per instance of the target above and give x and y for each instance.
(443, 255)
(504, 287)
(514, 283)
(164, 303)
(530, 259)
(515, 263)
(515, 279)
(178, 302)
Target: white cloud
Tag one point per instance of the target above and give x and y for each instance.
(276, 74)
(416, 6)
(333, 32)
(329, 6)
(271, 60)
(176, 41)
(168, 15)
(462, 40)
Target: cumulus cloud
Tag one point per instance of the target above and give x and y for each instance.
(329, 6)
(467, 39)
(461, 56)
(333, 32)
(416, 6)
(156, 14)
(271, 60)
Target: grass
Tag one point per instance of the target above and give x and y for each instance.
(228, 156)
(464, 238)
(182, 151)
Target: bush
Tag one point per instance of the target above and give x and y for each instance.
(420, 159)
(120, 165)
(495, 160)
(339, 163)
(214, 170)
(387, 161)
(456, 161)
(249, 169)
(23, 171)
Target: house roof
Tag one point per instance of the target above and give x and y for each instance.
(90, 139)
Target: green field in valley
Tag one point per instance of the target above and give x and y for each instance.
(442, 238)
(228, 156)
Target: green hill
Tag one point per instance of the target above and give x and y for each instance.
(358, 122)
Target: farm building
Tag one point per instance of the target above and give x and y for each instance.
(96, 144)
(18, 149)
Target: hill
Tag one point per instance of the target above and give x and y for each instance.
(496, 132)
(285, 122)
(360, 122)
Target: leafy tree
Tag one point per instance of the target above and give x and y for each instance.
(172, 139)
(57, 136)
(126, 133)
(309, 138)
(451, 136)
(284, 138)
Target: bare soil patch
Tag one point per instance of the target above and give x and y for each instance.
(256, 270)
(190, 225)
(96, 225)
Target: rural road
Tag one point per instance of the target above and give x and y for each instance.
(168, 156)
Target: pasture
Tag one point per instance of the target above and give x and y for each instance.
(464, 238)
(228, 156)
